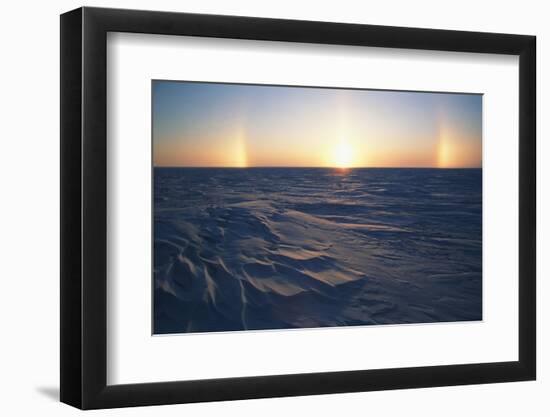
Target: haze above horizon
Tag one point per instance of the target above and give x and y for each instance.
(213, 125)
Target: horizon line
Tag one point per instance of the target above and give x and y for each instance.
(311, 167)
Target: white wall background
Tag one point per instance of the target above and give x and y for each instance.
(29, 237)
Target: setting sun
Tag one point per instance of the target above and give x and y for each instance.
(343, 155)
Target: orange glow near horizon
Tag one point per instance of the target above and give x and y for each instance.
(226, 125)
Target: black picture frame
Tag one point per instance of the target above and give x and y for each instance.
(84, 207)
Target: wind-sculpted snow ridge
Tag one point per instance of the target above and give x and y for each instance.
(278, 248)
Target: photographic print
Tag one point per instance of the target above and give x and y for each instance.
(285, 207)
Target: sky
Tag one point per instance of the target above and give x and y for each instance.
(198, 124)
